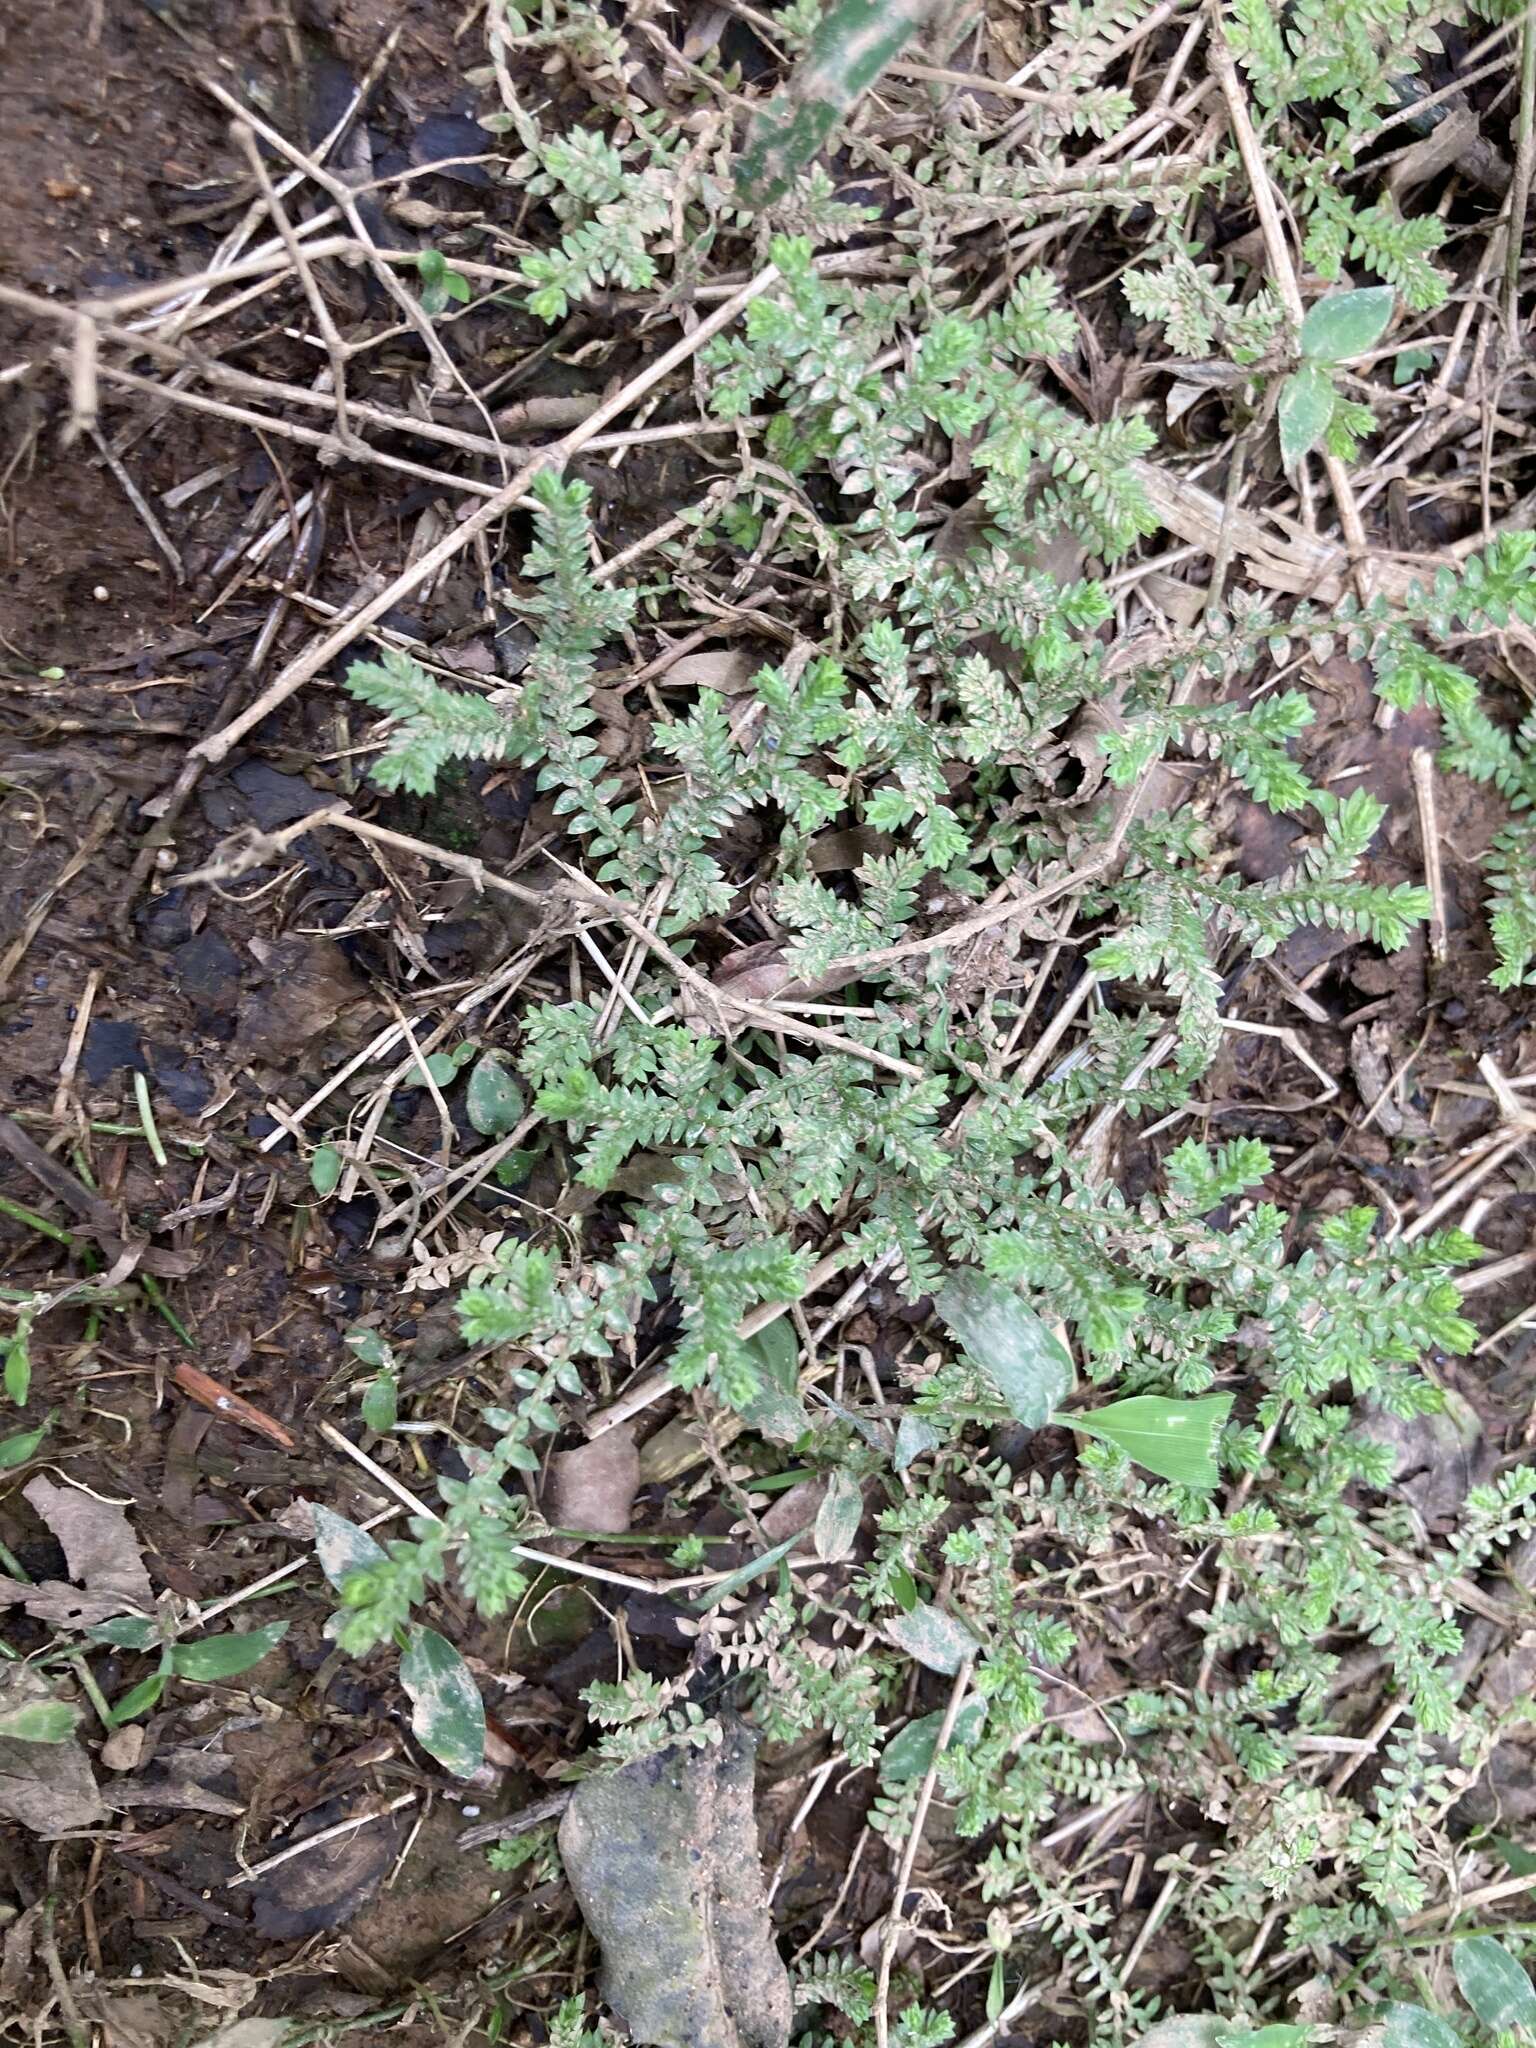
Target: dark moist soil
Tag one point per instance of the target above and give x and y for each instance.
(120, 170)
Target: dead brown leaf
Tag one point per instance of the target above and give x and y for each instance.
(99, 1546)
(47, 1786)
(594, 1486)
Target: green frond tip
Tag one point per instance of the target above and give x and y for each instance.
(434, 725)
(852, 44)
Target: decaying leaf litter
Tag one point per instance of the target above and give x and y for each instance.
(1032, 1749)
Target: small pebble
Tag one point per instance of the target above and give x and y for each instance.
(101, 593)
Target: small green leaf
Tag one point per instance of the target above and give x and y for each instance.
(381, 1403)
(1175, 1439)
(39, 1721)
(1494, 1984)
(776, 1409)
(139, 1701)
(1307, 399)
(18, 1366)
(447, 1713)
(838, 1518)
(933, 1636)
(1346, 324)
(125, 1632)
(1005, 1338)
(15, 1450)
(226, 1656)
(903, 1588)
(908, 1754)
(1519, 1862)
(1411, 2026)
(341, 1548)
(440, 1067)
(914, 1436)
(493, 1101)
(1407, 364)
(325, 1170)
(746, 1573)
(369, 1347)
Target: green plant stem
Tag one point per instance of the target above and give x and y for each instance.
(92, 1690)
(20, 1213)
(147, 1119)
(154, 1293)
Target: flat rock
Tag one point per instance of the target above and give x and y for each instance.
(663, 1858)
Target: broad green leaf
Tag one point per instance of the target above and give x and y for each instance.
(1175, 1439)
(1518, 1861)
(850, 47)
(226, 1656)
(776, 1409)
(1407, 364)
(39, 1721)
(1307, 399)
(493, 1101)
(1494, 1984)
(18, 1367)
(745, 1574)
(1281, 2035)
(914, 1436)
(1346, 324)
(381, 1403)
(440, 1067)
(325, 1170)
(15, 1450)
(903, 1588)
(933, 1636)
(369, 1347)
(837, 1520)
(447, 1713)
(140, 1699)
(341, 1547)
(1411, 2026)
(125, 1632)
(1002, 1335)
(908, 1754)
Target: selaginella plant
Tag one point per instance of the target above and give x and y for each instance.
(960, 704)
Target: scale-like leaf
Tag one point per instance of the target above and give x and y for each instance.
(1002, 1335)
(447, 1712)
(1175, 1439)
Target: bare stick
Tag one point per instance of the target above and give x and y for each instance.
(330, 334)
(1422, 762)
(136, 498)
(894, 1920)
(1520, 186)
(304, 666)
